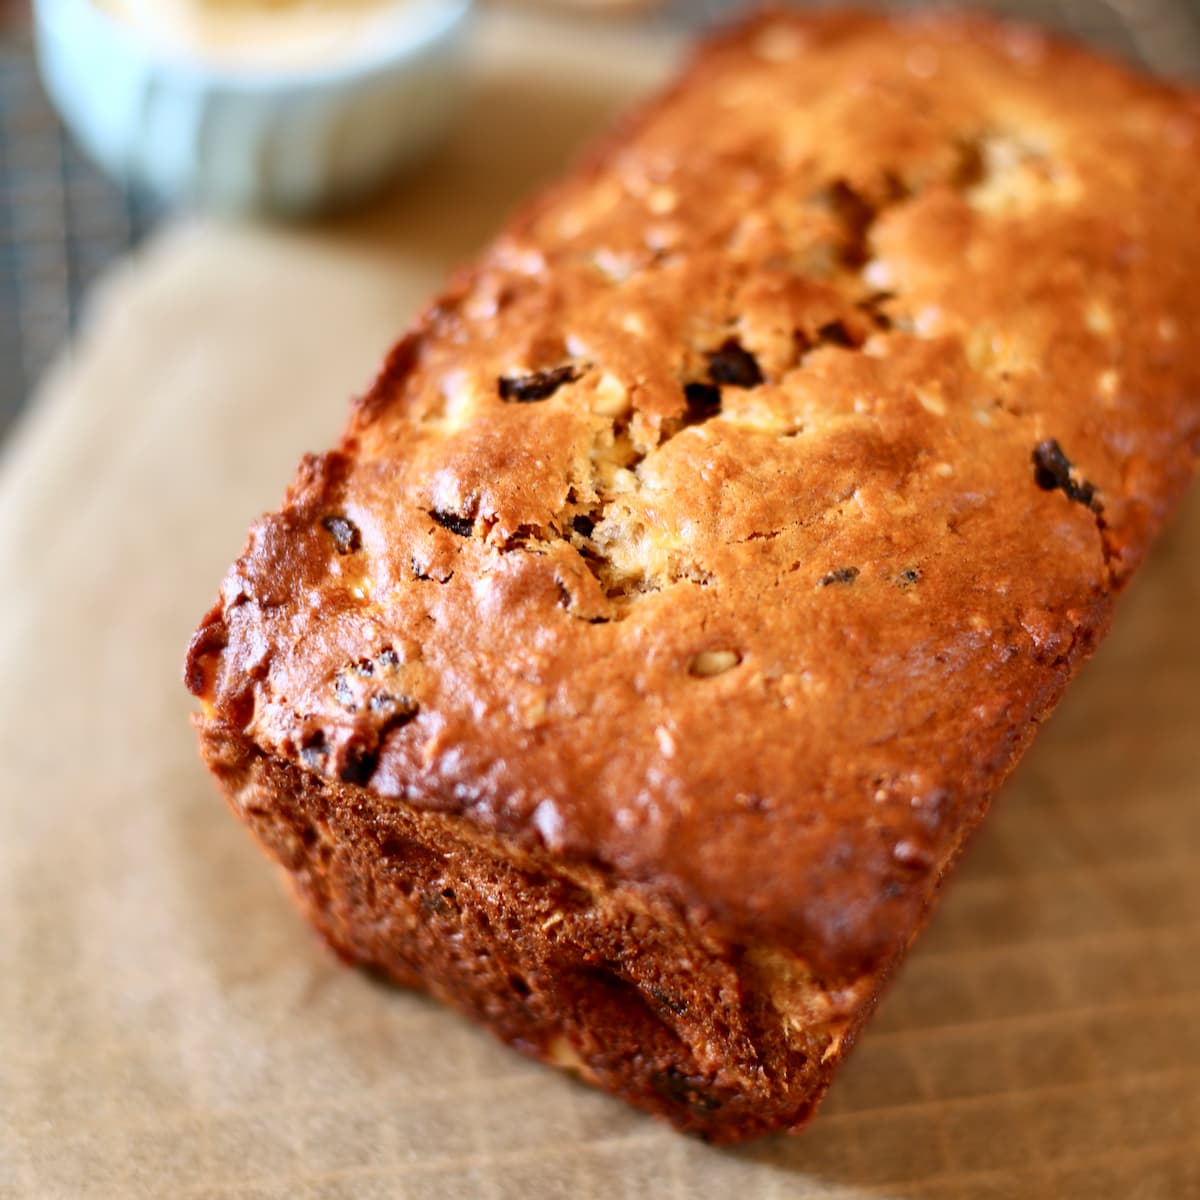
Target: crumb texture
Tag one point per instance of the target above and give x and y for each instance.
(730, 525)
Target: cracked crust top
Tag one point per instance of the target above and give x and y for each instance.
(731, 524)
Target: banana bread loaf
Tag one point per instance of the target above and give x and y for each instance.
(703, 560)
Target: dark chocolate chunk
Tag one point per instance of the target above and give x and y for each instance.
(836, 334)
(345, 534)
(1051, 467)
(314, 750)
(521, 537)
(734, 365)
(872, 306)
(908, 578)
(463, 526)
(1052, 470)
(703, 401)
(359, 766)
(541, 385)
(841, 575)
(856, 217)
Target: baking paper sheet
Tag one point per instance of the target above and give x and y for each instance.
(168, 1025)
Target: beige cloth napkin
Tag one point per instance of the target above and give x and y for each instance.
(168, 1026)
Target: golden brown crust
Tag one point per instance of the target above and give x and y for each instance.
(731, 525)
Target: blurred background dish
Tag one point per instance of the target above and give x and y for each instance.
(245, 105)
(270, 36)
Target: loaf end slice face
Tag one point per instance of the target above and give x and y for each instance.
(704, 559)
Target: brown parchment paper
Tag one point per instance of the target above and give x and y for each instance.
(168, 1026)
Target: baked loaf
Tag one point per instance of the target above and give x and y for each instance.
(706, 556)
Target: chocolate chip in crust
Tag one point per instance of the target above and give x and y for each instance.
(463, 526)
(835, 333)
(359, 766)
(1052, 470)
(540, 385)
(734, 365)
(703, 401)
(345, 534)
(841, 575)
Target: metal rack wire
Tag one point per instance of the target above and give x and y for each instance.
(62, 223)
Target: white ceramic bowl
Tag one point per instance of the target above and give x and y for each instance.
(278, 140)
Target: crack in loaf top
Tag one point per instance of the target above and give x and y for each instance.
(731, 524)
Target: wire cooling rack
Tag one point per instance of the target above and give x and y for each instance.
(62, 223)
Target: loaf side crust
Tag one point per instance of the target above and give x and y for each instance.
(723, 534)
(600, 979)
